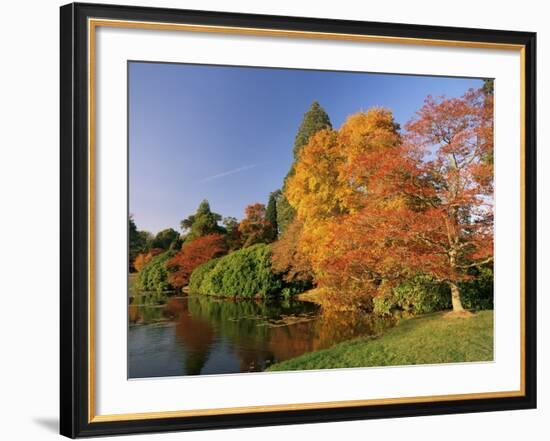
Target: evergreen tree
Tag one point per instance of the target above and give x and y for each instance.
(138, 242)
(488, 90)
(203, 222)
(271, 213)
(165, 238)
(285, 213)
(488, 86)
(133, 235)
(315, 119)
(233, 236)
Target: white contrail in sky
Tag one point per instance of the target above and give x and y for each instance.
(228, 172)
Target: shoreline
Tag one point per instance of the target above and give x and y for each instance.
(432, 338)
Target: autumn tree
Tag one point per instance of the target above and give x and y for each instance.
(315, 119)
(457, 225)
(193, 254)
(202, 223)
(141, 260)
(255, 228)
(330, 179)
(288, 259)
(423, 206)
(336, 174)
(313, 193)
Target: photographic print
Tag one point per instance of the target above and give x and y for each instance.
(290, 219)
(278, 220)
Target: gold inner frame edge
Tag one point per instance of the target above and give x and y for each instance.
(92, 25)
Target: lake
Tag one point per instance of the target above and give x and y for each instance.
(172, 336)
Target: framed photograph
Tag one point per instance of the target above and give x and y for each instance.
(274, 220)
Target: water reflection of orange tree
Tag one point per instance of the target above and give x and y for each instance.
(337, 326)
(257, 335)
(262, 331)
(291, 341)
(195, 333)
(329, 328)
(245, 323)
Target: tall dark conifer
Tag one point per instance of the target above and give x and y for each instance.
(271, 213)
(315, 119)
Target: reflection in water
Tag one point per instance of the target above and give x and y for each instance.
(204, 335)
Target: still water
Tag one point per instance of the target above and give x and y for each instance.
(205, 335)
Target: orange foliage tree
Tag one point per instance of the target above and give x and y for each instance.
(288, 259)
(255, 228)
(456, 225)
(330, 183)
(378, 209)
(193, 254)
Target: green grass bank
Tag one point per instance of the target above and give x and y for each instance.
(427, 339)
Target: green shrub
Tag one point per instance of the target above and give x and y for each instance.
(423, 295)
(243, 273)
(154, 275)
(199, 273)
(478, 292)
(419, 296)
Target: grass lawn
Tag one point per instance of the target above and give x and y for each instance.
(432, 338)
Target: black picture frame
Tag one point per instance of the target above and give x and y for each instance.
(74, 325)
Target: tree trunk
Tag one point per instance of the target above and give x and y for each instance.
(455, 297)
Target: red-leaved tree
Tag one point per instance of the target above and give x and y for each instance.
(288, 259)
(255, 228)
(193, 254)
(457, 224)
(426, 208)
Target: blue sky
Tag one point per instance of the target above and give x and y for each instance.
(226, 133)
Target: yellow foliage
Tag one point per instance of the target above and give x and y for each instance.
(310, 190)
(332, 174)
